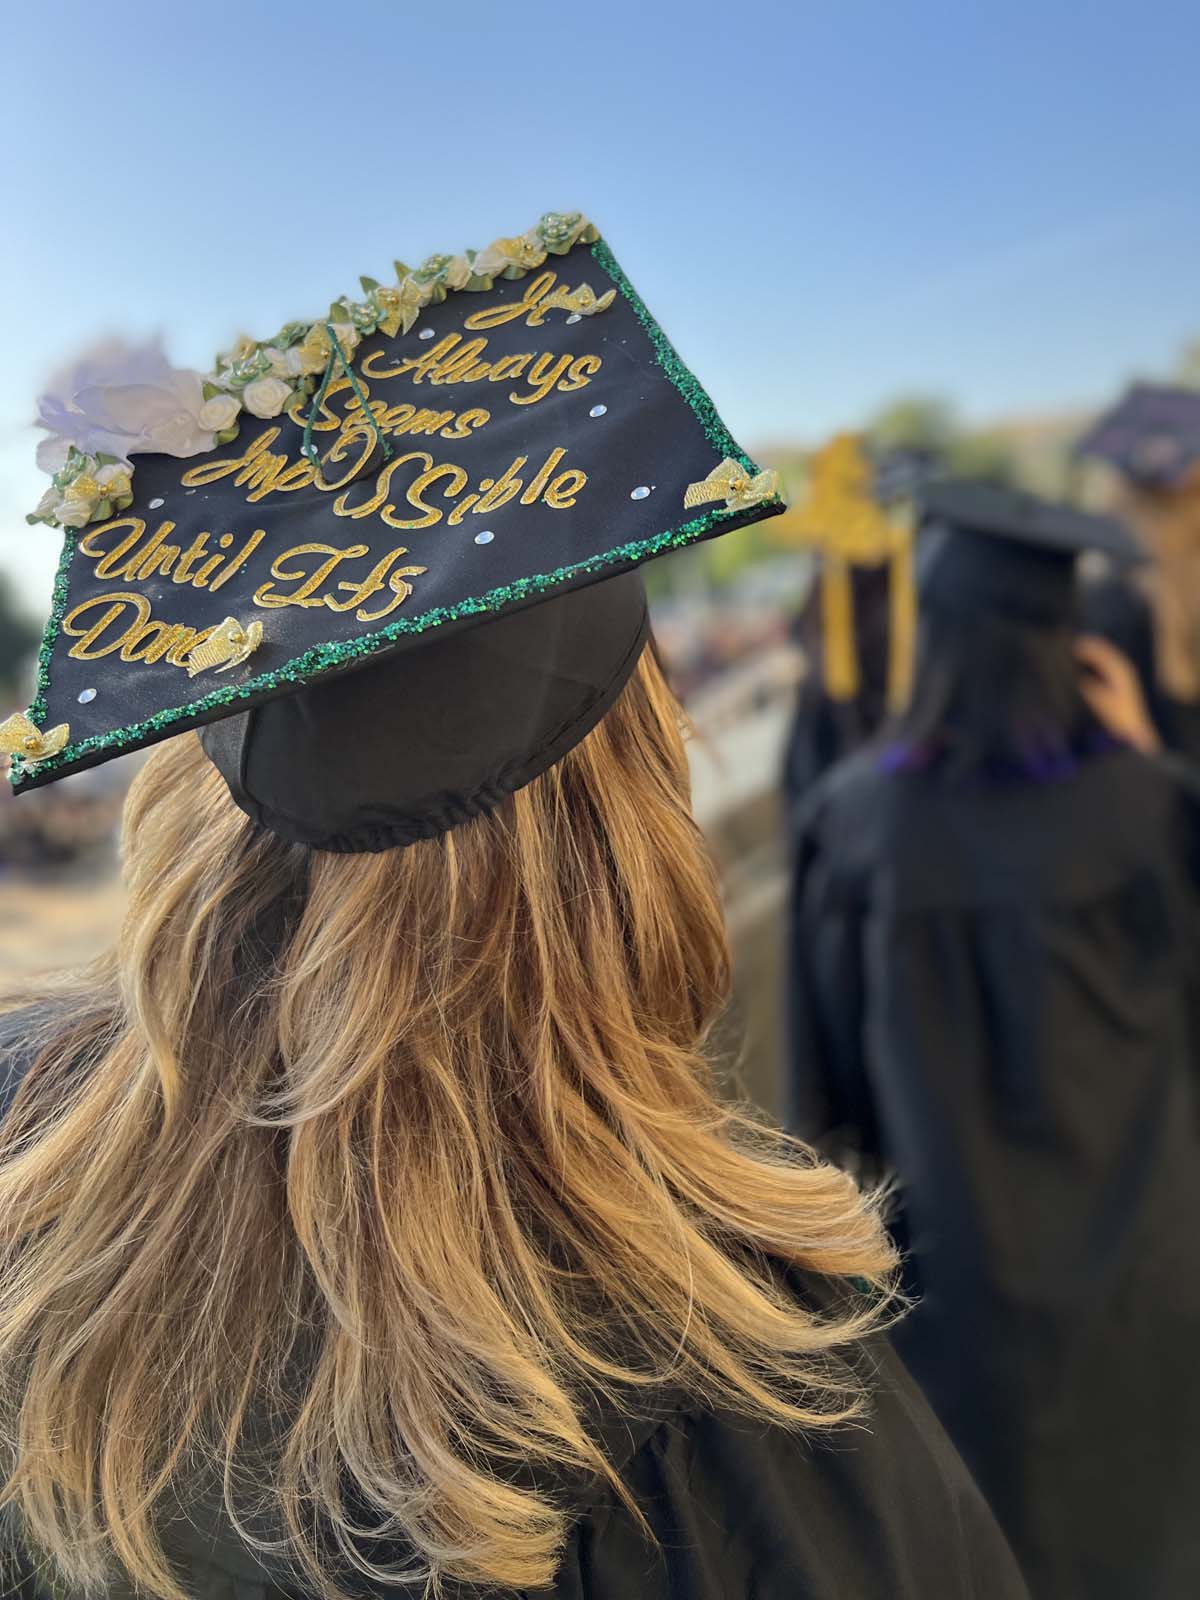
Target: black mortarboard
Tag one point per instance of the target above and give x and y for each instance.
(900, 473)
(986, 549)
(378, 572)
(1152, 435)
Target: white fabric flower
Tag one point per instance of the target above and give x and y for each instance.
(266, 397)
(74, 513)
(121, 400)
(52, 454)
(287, 364)
(220, 412)
(47, 506)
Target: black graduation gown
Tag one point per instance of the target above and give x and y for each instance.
(824, 730)
(992, 991)
(880, 1510)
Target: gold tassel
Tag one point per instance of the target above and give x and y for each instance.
(837, 618)
(902, 633)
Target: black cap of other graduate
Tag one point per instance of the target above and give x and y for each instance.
(1151, 436)
(987, 549)
(387, 561)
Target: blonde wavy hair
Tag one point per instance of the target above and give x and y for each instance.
(372, 1170)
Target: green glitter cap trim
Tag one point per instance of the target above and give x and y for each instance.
(321, 657)
(689, 386)
(58, 605)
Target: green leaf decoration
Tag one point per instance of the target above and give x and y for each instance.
(401, 271)
(368, 284)
(210, 391)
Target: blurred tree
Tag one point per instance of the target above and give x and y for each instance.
(984, 455)
(913, 422)
(18, 638)
(1187, 364)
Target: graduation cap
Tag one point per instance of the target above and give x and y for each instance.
(987, 549)
(900, 473)
(1152, 436)
(387, 559)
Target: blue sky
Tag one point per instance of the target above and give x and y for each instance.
(823, 204)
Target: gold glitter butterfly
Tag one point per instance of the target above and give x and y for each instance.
(732, 483)
(20, 737)
(226, 646)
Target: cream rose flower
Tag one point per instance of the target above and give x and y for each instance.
(73, 514)
(48, 505)
(266, 397)
(222, 411)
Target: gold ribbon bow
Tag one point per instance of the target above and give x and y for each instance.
(20, 737)
(226, 646)
(510, 256)
(732, 483)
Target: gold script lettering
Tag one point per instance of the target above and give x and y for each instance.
(423, 481)
(114, 605)
(309, 582)
(257, 467)
(528, 306)
(384, 574)
(169, 640)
